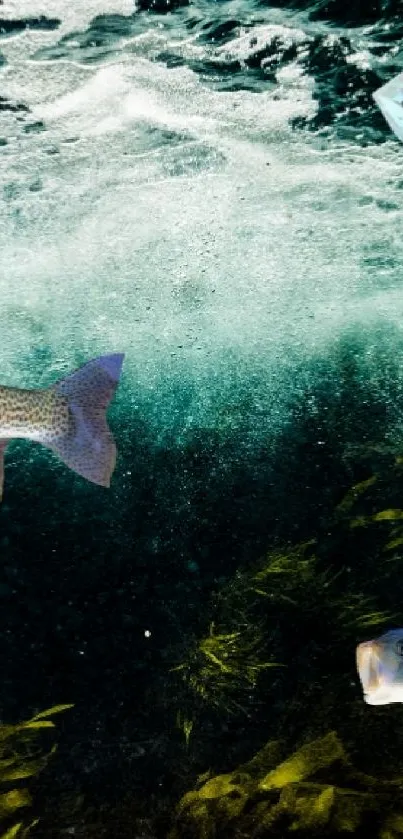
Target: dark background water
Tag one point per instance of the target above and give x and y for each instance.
(86, 573)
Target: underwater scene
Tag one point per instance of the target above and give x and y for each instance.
(201, 593)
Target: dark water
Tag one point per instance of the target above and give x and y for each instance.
(210, 188)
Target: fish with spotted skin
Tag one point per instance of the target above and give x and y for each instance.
(380, 668)
(69, 418)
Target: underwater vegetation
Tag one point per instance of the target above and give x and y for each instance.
(24, 752)
(273, 675)
(270, 688)
(266, 667)
(316, 791)
(270, 631)
(223, 665)
(279, 653)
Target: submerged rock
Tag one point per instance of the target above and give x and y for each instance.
(9, 26)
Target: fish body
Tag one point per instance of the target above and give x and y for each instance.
(40, 415)
(69, 418)
(380, 668)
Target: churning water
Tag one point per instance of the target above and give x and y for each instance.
(154, 205)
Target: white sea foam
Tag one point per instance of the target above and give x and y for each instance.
(189, 228)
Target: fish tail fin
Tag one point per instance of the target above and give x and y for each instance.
(88, 447)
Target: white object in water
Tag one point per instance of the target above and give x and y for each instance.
(380, 668)
(389, 99)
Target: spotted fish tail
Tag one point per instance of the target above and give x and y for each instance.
(87, 446)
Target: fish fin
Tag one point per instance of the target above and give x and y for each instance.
(88, 447)
(3, 446)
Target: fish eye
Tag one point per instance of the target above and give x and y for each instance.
(399, 647)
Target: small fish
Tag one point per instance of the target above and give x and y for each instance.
(389, 99)
(380, 668)
(69, 418)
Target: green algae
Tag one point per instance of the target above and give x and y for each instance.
(307, 606)
(247, 649)
(23, 755)
(287, 625)
(222, 665)
(304, 763)
(301, 796)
